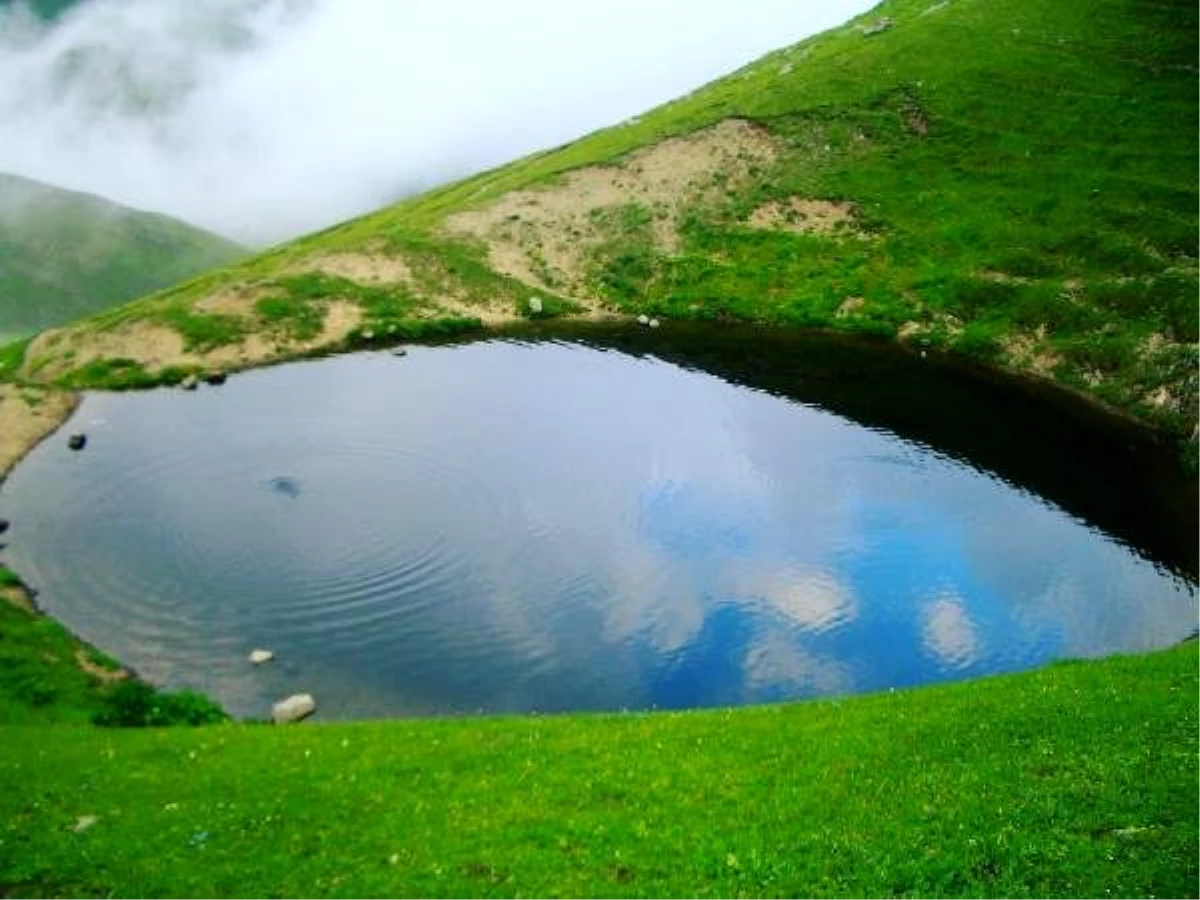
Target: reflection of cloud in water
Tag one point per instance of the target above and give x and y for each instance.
(948, 631)
(777, 667)
(814, 601)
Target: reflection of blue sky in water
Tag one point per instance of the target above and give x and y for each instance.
(503, 528)
(913, 593)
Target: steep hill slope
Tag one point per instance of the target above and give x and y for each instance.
(64, 255)
(1007, 179)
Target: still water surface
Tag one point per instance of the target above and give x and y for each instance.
(514, 526)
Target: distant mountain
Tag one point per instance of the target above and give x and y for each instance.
(47, 9)
(65, 254)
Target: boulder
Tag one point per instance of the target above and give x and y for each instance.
(643, 320)
(215, 378)
(77, 441)
(4, 523)
(535, 306)
(258, 657)
(293, 709)
(878, 26)
(653, 323)
(189, 383)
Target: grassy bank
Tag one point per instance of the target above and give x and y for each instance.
(1077, 780)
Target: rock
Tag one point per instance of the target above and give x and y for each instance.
(368, 334)
(643, 320)
(878, 26)
(83, 823)
(653, 323)
(399, 351)
(189, 383)
(258, 657)
(535, 306)
(293, 709)
(4, 523)
(849, 307)
(77, 441)
(215, 378)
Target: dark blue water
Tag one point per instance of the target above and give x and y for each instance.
(513, 527)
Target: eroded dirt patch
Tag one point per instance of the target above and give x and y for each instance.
(544, 237)
(155, 346)
(100, 673)
(28, 415)
(802, 215)
(18, 597)
(363, 268)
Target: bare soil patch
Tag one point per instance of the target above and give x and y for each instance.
(802, 215)
(156, 346)
(363, 268)
(27, 416)
(544, 237)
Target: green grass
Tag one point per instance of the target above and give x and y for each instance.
(1077, 780)
(40, 680)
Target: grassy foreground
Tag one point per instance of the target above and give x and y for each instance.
(1079, 780)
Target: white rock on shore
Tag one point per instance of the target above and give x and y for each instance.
(293, 709)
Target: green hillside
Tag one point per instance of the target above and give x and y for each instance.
(47, 9)
(65, 255)
(1009, 180)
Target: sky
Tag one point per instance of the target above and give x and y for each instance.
(266, 119)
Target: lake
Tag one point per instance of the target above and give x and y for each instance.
(622, 520)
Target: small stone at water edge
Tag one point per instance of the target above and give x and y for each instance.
(189, 383)
(258, 657)
(77, 441)
(293, 709)
(653, 323)
(643, 320)
(215, 377)
(4, 523)
(399, 351)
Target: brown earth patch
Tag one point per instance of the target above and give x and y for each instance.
(363, 268)
(107, 676)
(156, 346)
(1030, 353)
(545, 236)
(18, 597)
(27, 416)
(234, 301)
(804, 216)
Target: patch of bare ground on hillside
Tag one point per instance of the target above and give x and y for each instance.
(372, 268)
(1030, 352)
(157, 346)
(439, 296)
(802, 215)
(545, 236)
(239, 300)
(19, 597)
(27, 416)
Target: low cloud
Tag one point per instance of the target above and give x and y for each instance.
(265, 119)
